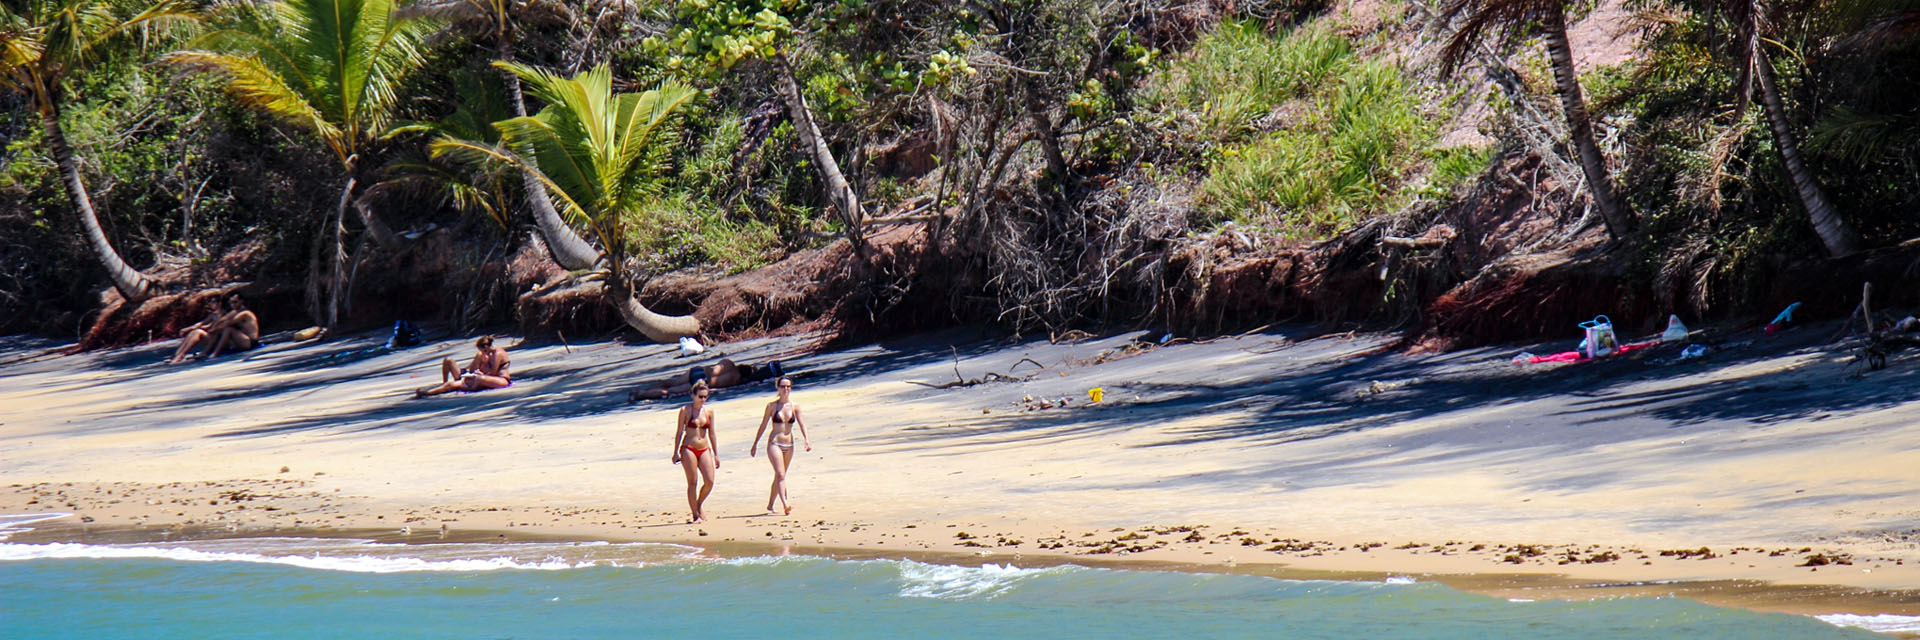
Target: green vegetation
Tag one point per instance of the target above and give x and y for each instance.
(1049, 143)
(1237, 75)
(1334, 137)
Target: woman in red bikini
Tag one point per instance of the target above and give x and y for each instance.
(696, 450)
(784, 415)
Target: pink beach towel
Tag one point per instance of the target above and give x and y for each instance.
(1575, 356)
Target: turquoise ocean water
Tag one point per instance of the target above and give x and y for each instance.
(339, 588)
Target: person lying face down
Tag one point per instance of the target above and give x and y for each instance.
(720, 375)
(488, 370)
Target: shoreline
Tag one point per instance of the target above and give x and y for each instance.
(1803, 599)
(1290, 451)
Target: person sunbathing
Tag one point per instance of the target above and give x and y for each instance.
(194, 334)
(720, 375)
(488, 370)
(236, 329)
(239, 330)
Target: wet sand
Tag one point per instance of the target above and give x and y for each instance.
(1766, 475)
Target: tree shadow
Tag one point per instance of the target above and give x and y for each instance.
(1342, 395)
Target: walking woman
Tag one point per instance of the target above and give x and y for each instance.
(784, 415)
(696, 450)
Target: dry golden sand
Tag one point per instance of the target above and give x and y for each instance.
(1622, 503)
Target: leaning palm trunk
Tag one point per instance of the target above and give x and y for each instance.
(1835, 234)
(571, 251)
(1620, 219)
(840, 194)
(132, 285)
(657, 327)
(337, 265)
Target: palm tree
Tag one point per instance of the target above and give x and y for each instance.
(496, 21)
(479, 188)
(712, 36)
(332, 67)
(600, 154)
(1753, 28)
(1510, 18)
(42, 42)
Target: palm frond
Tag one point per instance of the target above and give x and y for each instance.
(343, 59)
(1481, 20)
(251, 82)
(476, 153)
(1863, 138)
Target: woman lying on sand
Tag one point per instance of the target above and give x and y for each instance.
(695, 449)
(487, 371)
(784, 415)
(717, 376)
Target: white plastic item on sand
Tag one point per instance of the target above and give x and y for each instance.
(1676, 330)
(1600, 340)
(691, 347)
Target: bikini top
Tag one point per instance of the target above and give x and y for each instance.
(696, 423)
(790, 417)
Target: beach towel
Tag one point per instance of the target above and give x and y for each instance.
(1576, 356)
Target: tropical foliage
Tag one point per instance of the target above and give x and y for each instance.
(1067, 157)
(42, 43)
(601, 155)
(331, 67)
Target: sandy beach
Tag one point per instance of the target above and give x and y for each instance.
(1766, 475)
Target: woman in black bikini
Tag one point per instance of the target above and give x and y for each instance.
(695, 449)
(784, 415)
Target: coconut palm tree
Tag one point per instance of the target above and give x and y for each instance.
(600, 155)
(1754, 26)
(42, 42)
(332, 67)
(497, 22)
(1480, 19)
(712, 36)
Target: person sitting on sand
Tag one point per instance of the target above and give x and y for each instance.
(720, 375)
(236, 330)
(488, 370)
(696, 449)
(194, 334)
(239, 330)
(784, 415)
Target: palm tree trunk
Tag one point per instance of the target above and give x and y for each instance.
(1619, 217)
(568, 249)
(338, 263)
(382, 234)
(840, 194)
(657, 327)
(133, 285)
(1838, 237)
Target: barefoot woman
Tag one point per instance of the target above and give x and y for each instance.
(785, 415)
(696, 450)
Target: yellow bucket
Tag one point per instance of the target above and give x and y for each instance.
(1096, 393)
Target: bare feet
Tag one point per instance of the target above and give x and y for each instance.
(423, 392)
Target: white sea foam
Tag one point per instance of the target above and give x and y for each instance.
(12, 523)
(1883, 623)
(921, 580)
(1399, 580)
(365, 556)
